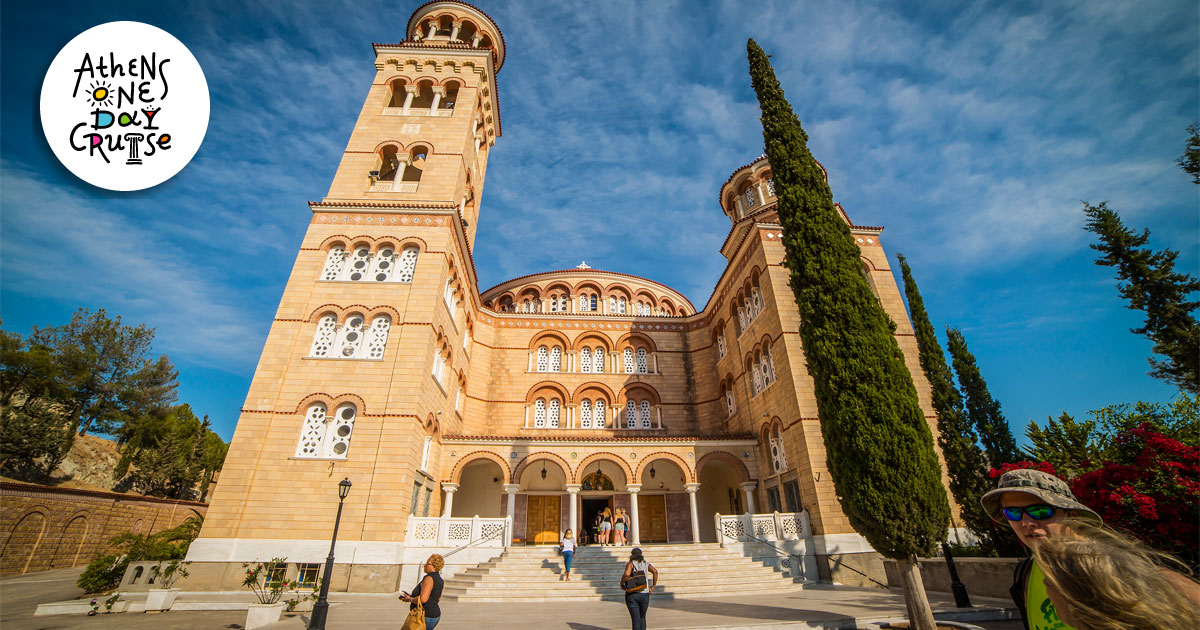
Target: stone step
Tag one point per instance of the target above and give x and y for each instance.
(538, 595)
(553, 578)
(701, 561)
(516, 570)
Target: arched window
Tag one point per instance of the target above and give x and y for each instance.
(334, 263)
(398, 93)
(585, 414)
(543, 359)
(556, 359)
(758, 385)
(621, 305)
(313, 432)
(585, 360)
(630, 414)
(377, 341)
(361, 264)
(594, 302)
(389, 164)
(645, 407)
(628, 360)
(408, 265)
(598, 360)
(778, 459)
(439, 364)
(771, 186)
(599, 421)
(767, 369)
(730, 407)
(326, 437)
(416, 165)
(539, 414)
(749, 196)
(448, 294)
(450, 98)
(552, 417)
(757, 299)
(584, 303)
(350, 337)
(642, 368)
(722, 349)
(337, 440)
(381, 268)
(351, 340)
(325, 337)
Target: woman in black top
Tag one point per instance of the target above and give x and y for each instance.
(429, 589)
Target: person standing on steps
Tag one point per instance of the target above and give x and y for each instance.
(619, 527)
(429, 591)
(567, 549)
(605, 526)
(638, 587)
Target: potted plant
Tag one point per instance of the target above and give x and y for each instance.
(166, 576)
(265, 581)
(303, 602)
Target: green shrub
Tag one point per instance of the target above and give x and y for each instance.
(104, 573)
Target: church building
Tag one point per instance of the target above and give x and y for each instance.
(502, 416)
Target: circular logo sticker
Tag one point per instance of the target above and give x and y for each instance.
(124, 106)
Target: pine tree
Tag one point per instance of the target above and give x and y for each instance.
(965, 462)
(1190, 160)
(1148, 280)
(983, 410)
(879, 448)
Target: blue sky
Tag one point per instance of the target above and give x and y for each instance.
(972, 131)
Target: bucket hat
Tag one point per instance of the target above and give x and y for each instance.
(1047, 487)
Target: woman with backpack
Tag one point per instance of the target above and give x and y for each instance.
(566, 549)
(638, 587)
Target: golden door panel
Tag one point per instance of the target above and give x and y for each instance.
(542, 520)
(652, 518)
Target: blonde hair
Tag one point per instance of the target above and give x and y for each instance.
(437, 562)
(1112, 582)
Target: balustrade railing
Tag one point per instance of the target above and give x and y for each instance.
(775, 526)
(434, 531)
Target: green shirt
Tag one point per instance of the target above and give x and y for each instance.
(1038, 607)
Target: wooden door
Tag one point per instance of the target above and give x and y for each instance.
(542, 520)
(652, 518)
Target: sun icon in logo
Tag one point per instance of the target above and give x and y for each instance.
(101, 94)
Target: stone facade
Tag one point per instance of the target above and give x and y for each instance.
(45, 527)
(545, 398)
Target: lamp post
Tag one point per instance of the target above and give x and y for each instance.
(321, 608)
(961, 599)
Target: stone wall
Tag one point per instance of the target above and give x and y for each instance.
(983, 577)
(45, 527)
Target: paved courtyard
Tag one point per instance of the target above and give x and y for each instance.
(816, 607)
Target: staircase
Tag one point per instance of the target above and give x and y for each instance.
(534, 574)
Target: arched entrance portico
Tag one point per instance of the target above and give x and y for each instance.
(541, 512)
(722, 490)
(664, 508)
(480, 490)
(603, 489)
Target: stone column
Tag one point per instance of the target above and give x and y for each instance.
(633, 512)
(432, 29)
(449, 489)
(410, 91)
(748, 491)
(511, 490)
(475, 40)
(573, 522)
(447, 506)
(691, 490)
(438, 92)
(454, 30)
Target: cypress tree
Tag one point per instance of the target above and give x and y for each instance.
(965, 462)
(878, 446)
(983, 410)
(1149, 281)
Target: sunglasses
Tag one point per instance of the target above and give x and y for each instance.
(1035, 512)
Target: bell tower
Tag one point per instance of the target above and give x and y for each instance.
(430, 118)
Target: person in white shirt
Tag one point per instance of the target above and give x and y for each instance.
(567, 549)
